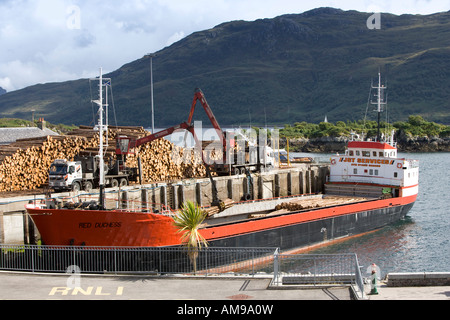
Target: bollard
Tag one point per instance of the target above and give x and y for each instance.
(373, 283)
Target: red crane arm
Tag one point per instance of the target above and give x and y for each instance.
(124, 144)
(158, 135)
(199, 96)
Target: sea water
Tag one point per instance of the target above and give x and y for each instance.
(420, 242)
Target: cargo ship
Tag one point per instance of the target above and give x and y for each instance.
(368, 187)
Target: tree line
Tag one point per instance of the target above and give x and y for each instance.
(415, 126)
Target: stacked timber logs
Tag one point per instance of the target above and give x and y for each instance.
(298, 205)
(162, 160)
(228, 203)
(24, 164)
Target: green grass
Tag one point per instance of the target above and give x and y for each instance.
(14, 123)
(19, 123)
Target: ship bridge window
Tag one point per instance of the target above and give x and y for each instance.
(366, 153)
(357, 152)
(350, 153)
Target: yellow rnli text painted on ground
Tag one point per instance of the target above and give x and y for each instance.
(89, 291)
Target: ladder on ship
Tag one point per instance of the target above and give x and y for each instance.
(170, 196)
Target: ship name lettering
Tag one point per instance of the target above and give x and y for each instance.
(369, 161)
(87, 225)
(108, 224)
(362, 160)
(373, 161)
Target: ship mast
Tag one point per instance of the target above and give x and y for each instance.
(379, 103)
(101, 128)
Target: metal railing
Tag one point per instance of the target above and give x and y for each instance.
(132, 260)
(287, 269)
(318, 269)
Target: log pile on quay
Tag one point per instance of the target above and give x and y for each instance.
(24, 164)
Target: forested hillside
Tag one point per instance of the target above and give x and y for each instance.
(286, 70)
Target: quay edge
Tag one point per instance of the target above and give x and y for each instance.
(418, 279)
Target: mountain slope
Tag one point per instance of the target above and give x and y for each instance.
(293, 68)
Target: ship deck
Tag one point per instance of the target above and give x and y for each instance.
(261, 209)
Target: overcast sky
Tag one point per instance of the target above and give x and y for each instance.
(57, 40)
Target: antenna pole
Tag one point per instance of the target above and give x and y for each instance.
(100, 123)
(379, 107)
(379, 103)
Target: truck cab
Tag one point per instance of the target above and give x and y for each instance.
(64, 175)
(83, 174)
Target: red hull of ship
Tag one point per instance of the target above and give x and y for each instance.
(129, 229)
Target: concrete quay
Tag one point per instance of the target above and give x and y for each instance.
(408, 293)
(22, 286)
(26, 286)
(418, 279)
(413, 286)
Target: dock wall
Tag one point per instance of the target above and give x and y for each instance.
(16, 227)
(286, 182)
(418, 279)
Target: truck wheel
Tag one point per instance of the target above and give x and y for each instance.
(123, 182)
(243, 170)
(76, 186)
(88, 186)
(236, 171)
(114, 183)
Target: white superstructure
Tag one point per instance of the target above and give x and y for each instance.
(376, 163)
(369, 162)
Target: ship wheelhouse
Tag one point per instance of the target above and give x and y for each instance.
(371, 149)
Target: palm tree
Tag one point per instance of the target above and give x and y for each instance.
(188, 221)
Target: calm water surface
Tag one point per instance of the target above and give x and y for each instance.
(421, 242)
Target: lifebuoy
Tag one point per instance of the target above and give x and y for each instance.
(333, 161)
(399, 165)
